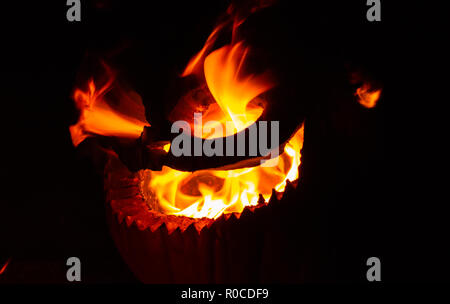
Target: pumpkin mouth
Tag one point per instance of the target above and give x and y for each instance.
(128, 199)
(162, 248)
(211, 193)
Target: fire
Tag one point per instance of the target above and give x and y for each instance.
(232, 91)
(210, 193)
(368, 97)
(233, 96)
(101, 116)
(195, 63)
(236, 99)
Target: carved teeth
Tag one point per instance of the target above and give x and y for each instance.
(130, 206)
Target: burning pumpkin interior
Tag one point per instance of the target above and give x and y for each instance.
(230, 99)
(196, 219)
(226, 93)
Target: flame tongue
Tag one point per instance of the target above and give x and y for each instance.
(99, 115)
(231, 90)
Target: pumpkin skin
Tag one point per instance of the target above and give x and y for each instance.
(158, 248)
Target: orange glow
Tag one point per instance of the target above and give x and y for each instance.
(366, 97)
(2, 270)
(235, 93)
(100, 116)
(234, 103)
(209, 193)
(232, 90)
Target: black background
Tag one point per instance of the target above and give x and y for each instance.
(357, 183)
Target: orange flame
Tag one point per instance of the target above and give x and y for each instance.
(100, 116)
(210, 193)
(236, 99)
(196, 61)
(368, 97)
(232, 91)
